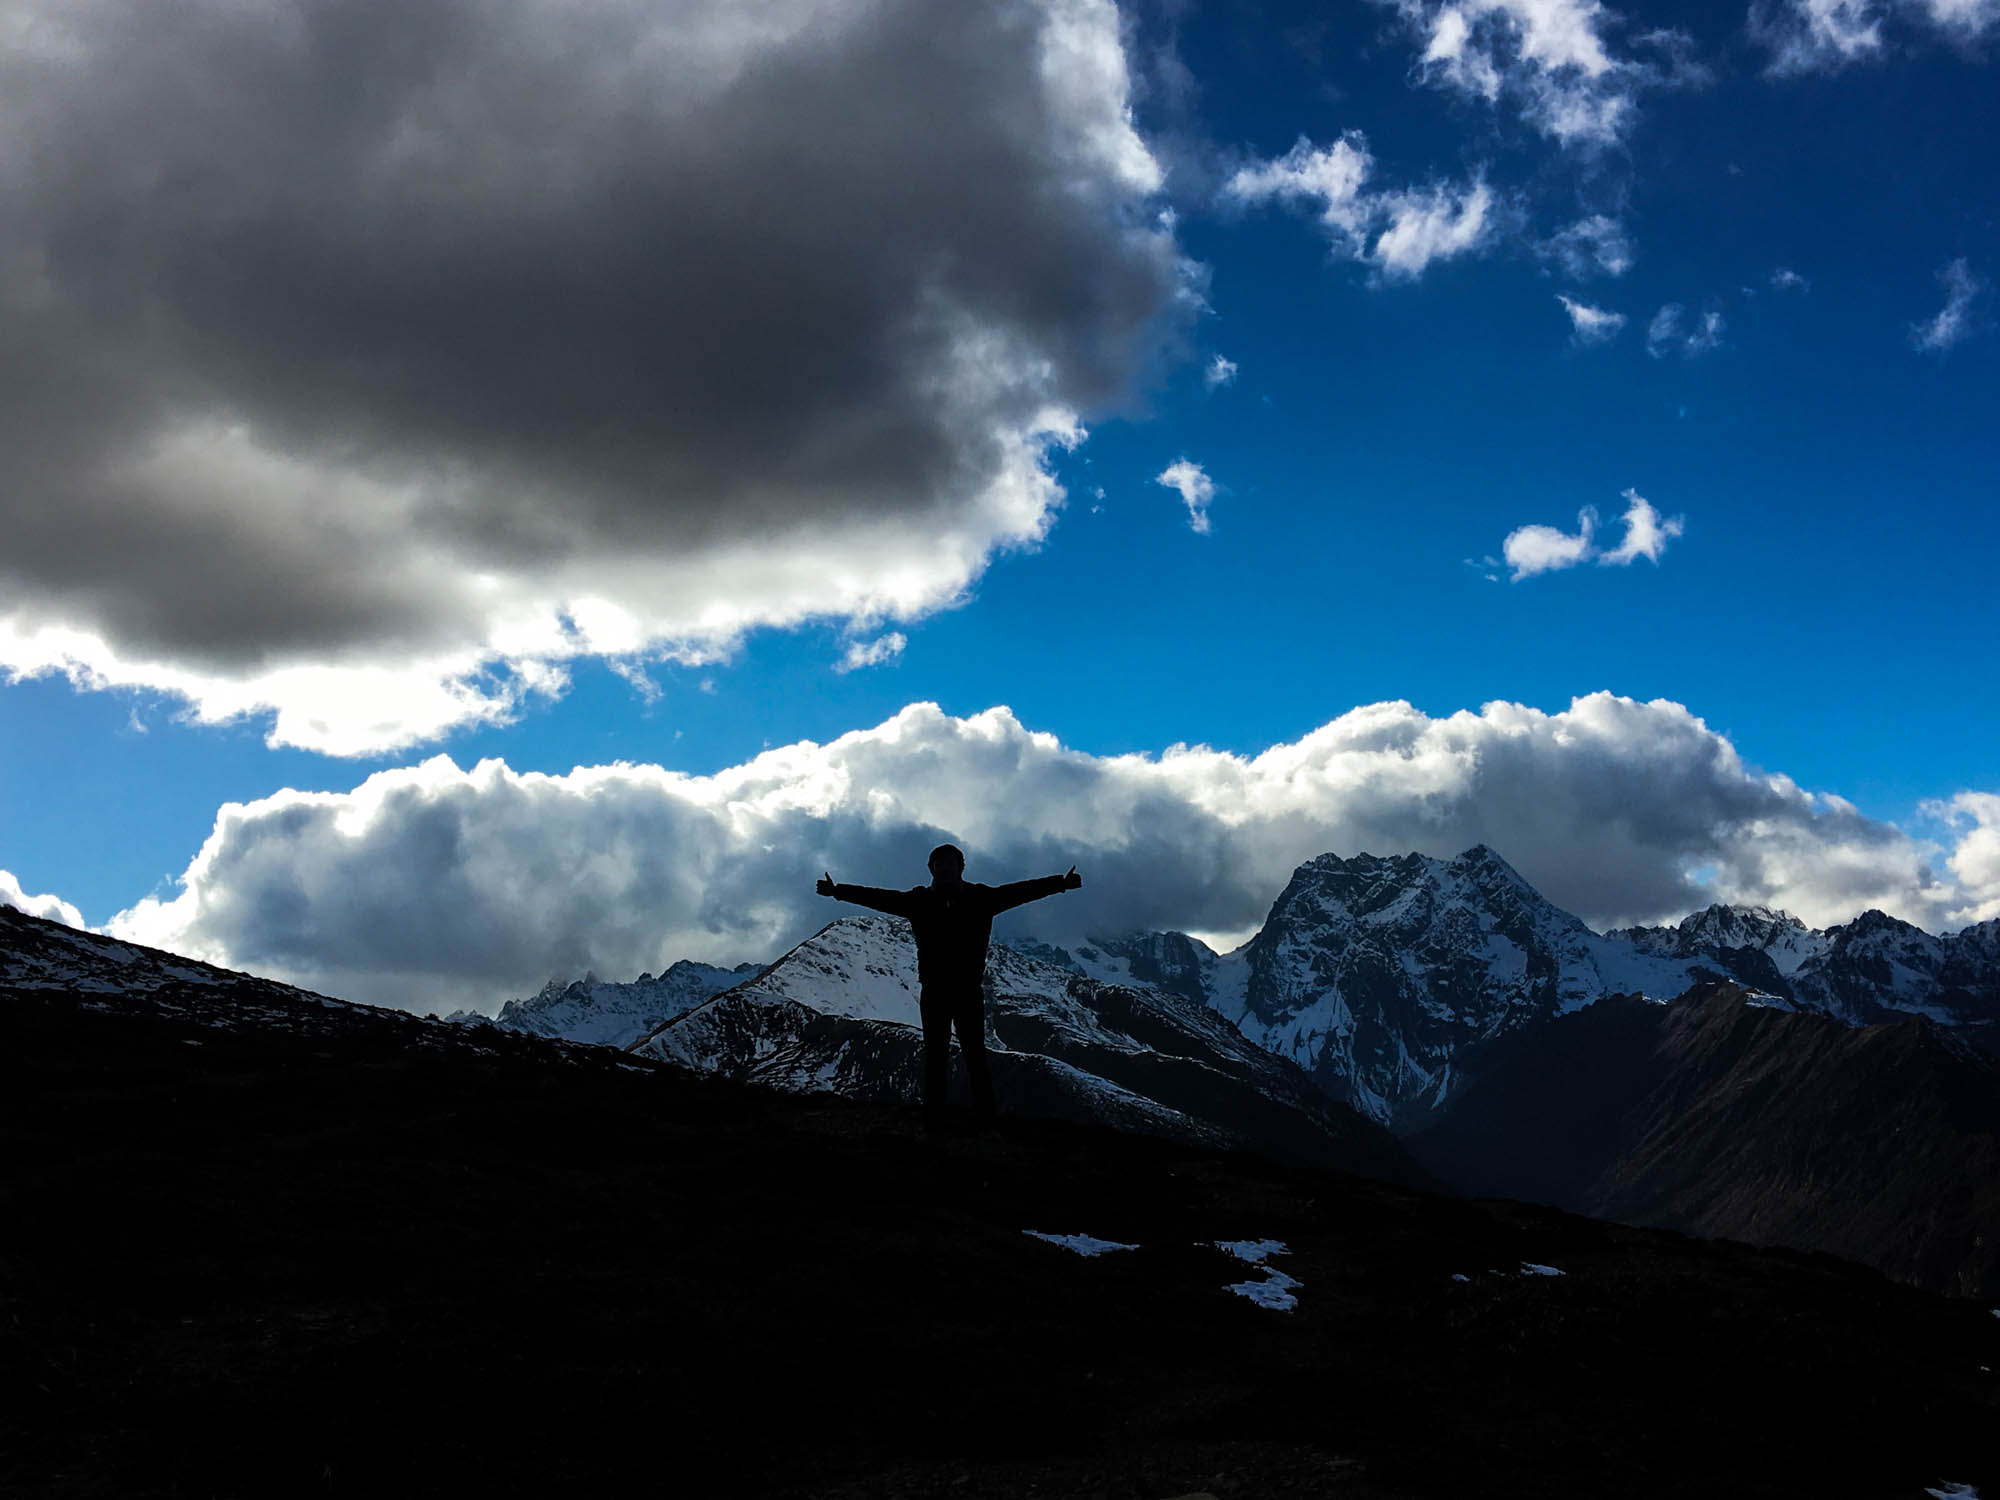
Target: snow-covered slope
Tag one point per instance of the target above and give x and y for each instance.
(611, 1014)
(840, 1013)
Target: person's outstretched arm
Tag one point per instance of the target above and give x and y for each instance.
(895, 903)
(1021, 892)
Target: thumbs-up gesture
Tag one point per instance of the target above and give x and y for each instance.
(825, 886)
(1072, 881)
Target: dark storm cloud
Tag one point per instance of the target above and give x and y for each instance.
(313, 316)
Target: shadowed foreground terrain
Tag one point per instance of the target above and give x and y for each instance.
(250, 1261)
(1721, 1117)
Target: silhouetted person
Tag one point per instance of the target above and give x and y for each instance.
(953, 922)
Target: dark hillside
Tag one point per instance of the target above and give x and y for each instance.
(1718, 1117)
(364, 1255)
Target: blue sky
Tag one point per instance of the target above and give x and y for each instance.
(1822, 461)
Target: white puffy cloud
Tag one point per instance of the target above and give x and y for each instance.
(1428, 224)
(1536, 548)
(1547, 549)
(53, 907)
(1194, 487)
(1957, 319)
(1591, 325)
(1220, 372)
(1594, 245)
(872, 653)
(1785, 279)
(1672, 331)
(1975, 860)
(395, 356)
(1330, 177)
(1398, 231)
(434, 886)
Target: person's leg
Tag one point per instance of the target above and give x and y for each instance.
(937, 1057)
(969, 1015)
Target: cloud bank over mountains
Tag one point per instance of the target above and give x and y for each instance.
(434, 886)
(391, 356)
(52, 907)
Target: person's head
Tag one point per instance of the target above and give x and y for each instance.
(947, 863)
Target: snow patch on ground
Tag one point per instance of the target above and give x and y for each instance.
(1082, 1244)
(1529, 1268)
(1951, 1491)
(1277, 1290)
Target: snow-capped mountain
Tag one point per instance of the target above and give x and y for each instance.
(1870, 970)
(610, 1014)
(1376, 975)
(839, 1013)
(1717, 931)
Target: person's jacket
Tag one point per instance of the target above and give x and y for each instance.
(953, 924)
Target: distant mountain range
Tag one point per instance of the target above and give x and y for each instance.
(1824, 1089)
(839, 1014)
(1378, 975)
(609, 1013)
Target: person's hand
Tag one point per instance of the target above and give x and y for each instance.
(1072, 881)
(825, 886)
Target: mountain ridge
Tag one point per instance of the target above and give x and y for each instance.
(839, 1013)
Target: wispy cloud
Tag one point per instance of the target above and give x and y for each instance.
(872, 653)
(1646, 534)
(1958, 318)
(1673, 331)
(1596, 245)
(1533, 549)
(1195, 488)
(1550, 59)
(1824, 36)
(1591, 325)
(1220, 372)
(1399, 231)
(1785, 279)
(1816, 36)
